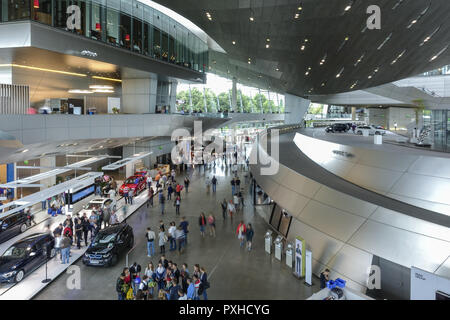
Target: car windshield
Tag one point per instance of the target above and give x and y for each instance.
(93, 206)
(130, 180)
(104, 238)
(16, 252)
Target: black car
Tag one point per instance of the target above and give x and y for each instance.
(337, 127)
(26, 255)
(108, 244)
(12, 225)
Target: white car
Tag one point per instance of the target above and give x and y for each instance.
(106, 204)
(372, 130)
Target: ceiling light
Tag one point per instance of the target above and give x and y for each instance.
(277, 69)
(233, 42)
(267, 46)
(302, 47)
(80, 91)
(340, 72)
(323, 84)
(252, 19)
(306, 73)
(43, 69)
(346, 38)
(26, 150)
(268, 40)
(347, 8)
(306, 40)
(101, 87)
(103, 91)
(296, 16)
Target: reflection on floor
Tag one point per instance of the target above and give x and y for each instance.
(234, 273)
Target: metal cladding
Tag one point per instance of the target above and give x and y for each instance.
(344, 230)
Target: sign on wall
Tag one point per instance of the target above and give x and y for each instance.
(428, 286)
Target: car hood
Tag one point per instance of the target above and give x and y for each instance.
(129, 185)
(6, 265)
(99, 248)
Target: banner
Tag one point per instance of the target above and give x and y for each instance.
(300, 245)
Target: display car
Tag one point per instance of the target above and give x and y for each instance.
(97, 203)
(25, 256)
(372, 130)
(12, 225)
(337, 127)
(135, 183)
(108, 244)
(141, 173)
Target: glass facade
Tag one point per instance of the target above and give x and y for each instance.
(127, 24)
(440, 129)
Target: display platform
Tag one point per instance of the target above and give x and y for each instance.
(32, 283)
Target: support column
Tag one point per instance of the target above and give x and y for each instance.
(234, 94)
(295, 109)
(139, 95)
(173, 97)
(353, 113)
(48, 162)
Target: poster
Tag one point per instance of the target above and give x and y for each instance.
(300, 257)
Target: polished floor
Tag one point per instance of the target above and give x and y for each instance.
(233, 272)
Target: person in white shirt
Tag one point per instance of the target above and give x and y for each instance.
(172, 239)
(149, 181)
(236, 201)
(112, 194)
(150, 242)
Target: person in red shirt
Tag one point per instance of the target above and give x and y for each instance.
(241, 230)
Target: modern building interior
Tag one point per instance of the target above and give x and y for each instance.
(306, 144)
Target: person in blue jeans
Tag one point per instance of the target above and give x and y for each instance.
(150, 242)
(204, 281)
(184, 225)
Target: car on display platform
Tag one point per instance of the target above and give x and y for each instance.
(135, 183)
(108, 244)
(25, 256)
(12, 225)
(106, 204)
(372, 130)
(337, 127)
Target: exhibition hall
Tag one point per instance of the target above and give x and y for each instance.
(245, 154)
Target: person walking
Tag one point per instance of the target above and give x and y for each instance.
(78, 231)
(224, 208)
(214, 184)
(65, 248)
(236, 202)
(130, 196)
(233, 186)
(177, 205)
(161, 241)
(184, 224)
(150, 197)
(169, 192)
(162, 201)
(180, 236)
(204, 282)
(172, 238)
(150, 235)
(149, 182)
(120, 284)
(125, 194)
(249, 235)
(212, 225)
(202, 224)
(240, 231)
(208, 185)
(231, 208)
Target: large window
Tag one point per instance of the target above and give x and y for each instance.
(112, 26)
(137, 35)
(42, 11)
(156, 43)
(125, 31)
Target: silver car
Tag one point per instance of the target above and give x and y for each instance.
(372, 130)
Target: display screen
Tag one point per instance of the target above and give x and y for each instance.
(276, 216)
(83, 193)
(285, 223)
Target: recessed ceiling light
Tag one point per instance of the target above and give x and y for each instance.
(233, 42)
(267, 46)
(347, 8)
(277, 69)
(26, 150)
(252, 19)
(302, 47)
(268, 40)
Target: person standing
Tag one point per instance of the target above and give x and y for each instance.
(160, 275)
(212, 225)
(120, 283)
(208, 185)
(236, 202)
(125, 194)
(172, 239)
(190, 292)
(204, 282)
(186, 183)
(224, 208)
(65, 248)
(150, 197)
(169, 192)
(78, 231)
(179, 235)
(150, 235)
(202, 224)
(240, 231)
(130, 196)
(214, 184)
(149, 182)
(161, 241)
(231, 208)
(184, 274)
(233, 186)
(249, 235)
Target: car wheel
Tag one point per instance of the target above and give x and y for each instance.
(23, 228)
(114, 260)
(19, 276)
(52, 253)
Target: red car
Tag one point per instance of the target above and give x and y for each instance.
(135, 183)
(140, 173)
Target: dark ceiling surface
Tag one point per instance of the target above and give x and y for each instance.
(325, 24)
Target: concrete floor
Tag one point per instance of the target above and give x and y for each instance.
(233, 273)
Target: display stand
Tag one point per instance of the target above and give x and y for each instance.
(268, 241)
(279, 248)
(47, 279)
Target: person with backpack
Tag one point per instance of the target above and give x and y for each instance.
(177, 204)
(144, 287)
(162, 241)
(202, 224)
(214, 184)
(249, 235)
(240, 231)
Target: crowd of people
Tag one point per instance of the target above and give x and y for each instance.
(165, 281)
